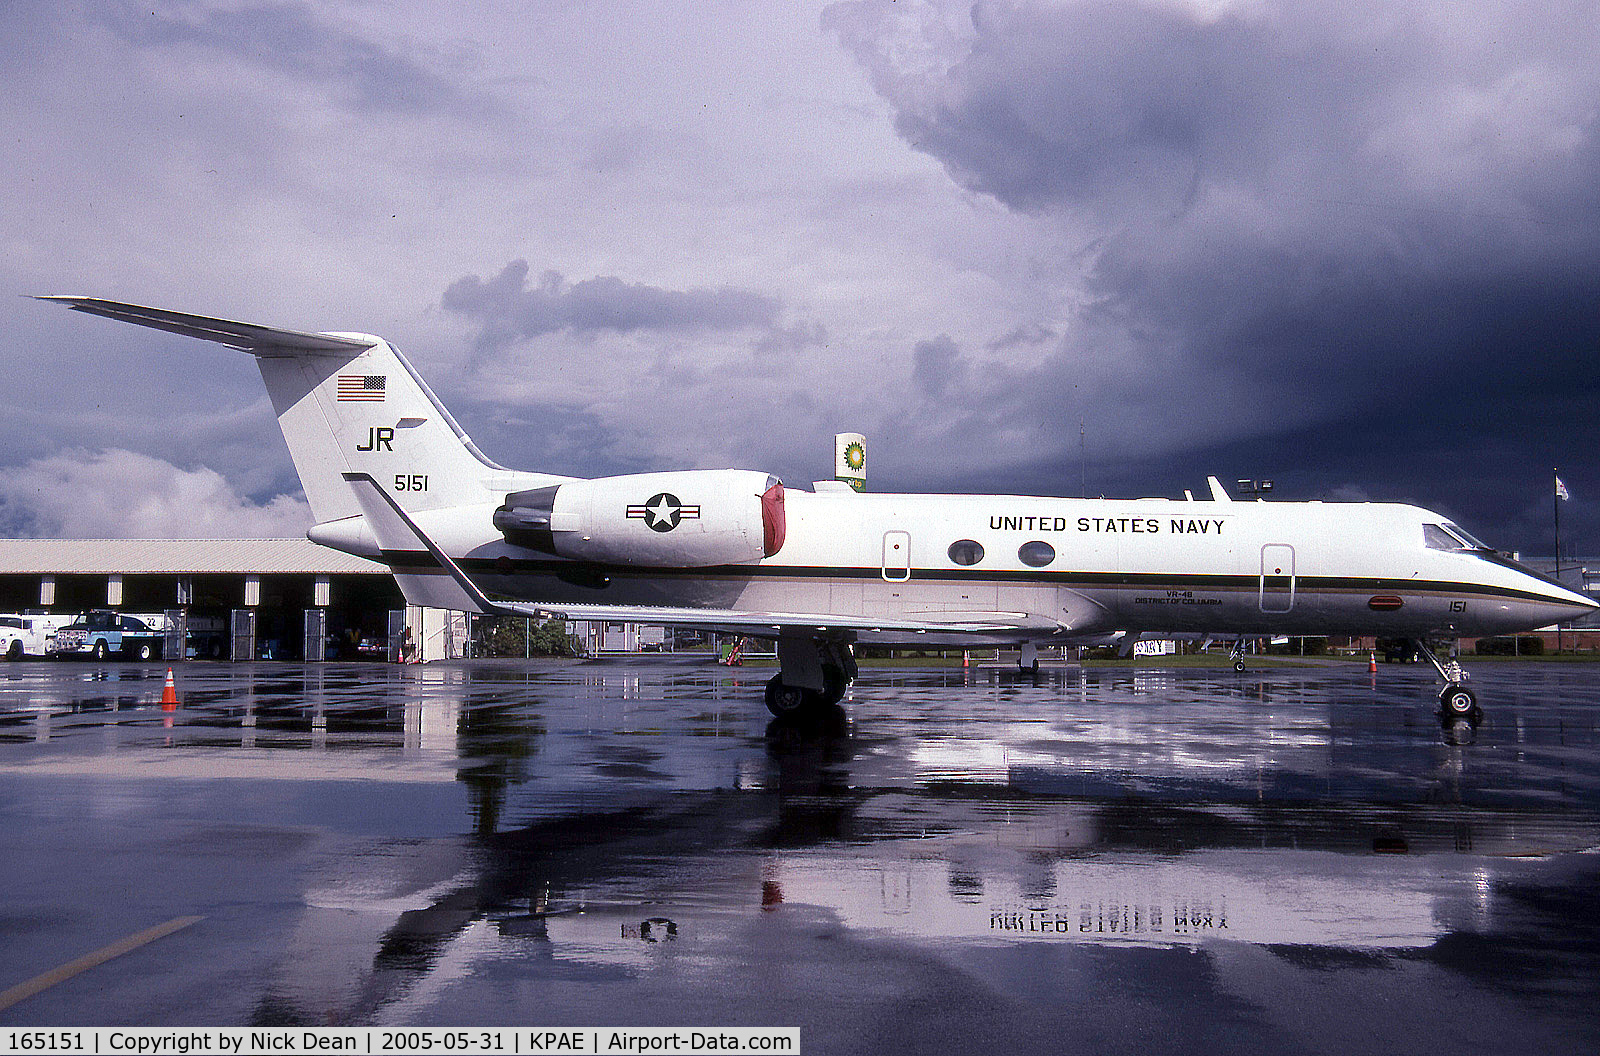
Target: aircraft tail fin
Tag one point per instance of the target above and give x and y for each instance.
(347, 403)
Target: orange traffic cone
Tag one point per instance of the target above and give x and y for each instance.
(169, 694)
(1372, 663)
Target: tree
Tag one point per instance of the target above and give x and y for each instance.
(510, 636)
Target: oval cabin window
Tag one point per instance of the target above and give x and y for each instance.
(966, 552)
(1037, 553)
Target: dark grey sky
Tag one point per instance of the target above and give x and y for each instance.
(1354, 248)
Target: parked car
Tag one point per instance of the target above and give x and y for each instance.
(1398, 650)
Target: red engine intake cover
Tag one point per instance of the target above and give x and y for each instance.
(774, 522)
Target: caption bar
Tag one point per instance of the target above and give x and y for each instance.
(534, 1041)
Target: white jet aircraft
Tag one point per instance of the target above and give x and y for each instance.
(391, 476)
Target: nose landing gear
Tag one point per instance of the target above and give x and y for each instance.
(1456, 701)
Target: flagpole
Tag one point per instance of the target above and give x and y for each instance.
(1555, 504)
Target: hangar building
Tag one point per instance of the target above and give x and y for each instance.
(283, 598)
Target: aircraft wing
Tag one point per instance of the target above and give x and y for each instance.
(394, 529)
(246, 337)
(775, 624)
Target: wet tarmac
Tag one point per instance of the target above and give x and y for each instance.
(1297, 859)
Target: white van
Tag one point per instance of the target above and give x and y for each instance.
(27, 635)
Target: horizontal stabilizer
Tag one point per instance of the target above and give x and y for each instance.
(246, 337)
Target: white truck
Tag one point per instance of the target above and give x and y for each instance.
(23, 635)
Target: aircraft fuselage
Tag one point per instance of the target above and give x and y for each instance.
(1072, 566)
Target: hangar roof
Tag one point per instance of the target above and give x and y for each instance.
(181, 556)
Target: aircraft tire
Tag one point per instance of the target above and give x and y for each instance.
(1458, 702)
(785, 700)
(1238, 665)
(834, 684)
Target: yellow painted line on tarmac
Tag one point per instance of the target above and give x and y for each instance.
(40, 983)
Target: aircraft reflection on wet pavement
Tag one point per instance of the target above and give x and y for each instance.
(614, 823)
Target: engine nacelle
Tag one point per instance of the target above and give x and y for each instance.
(692, 519)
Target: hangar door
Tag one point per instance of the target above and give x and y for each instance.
(1277, 577)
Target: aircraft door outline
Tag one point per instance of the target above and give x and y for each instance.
(1277, 578)
(896, 556)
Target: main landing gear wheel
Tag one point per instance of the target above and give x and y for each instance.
(835, 683)
(785, 700)
(813, 675)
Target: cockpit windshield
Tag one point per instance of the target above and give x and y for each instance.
(1466, 537)
(1450, 537)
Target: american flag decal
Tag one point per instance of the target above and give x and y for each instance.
(361, 388)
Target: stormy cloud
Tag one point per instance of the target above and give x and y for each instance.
(293, 40)
(115, 494)
(509, 309)
(935, 364)
(1023, 246)
(1345, 227)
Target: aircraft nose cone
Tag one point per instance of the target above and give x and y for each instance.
(1568, 605)
(1544, 602)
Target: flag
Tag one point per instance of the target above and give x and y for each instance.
(361, 388)
(1561, 491)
